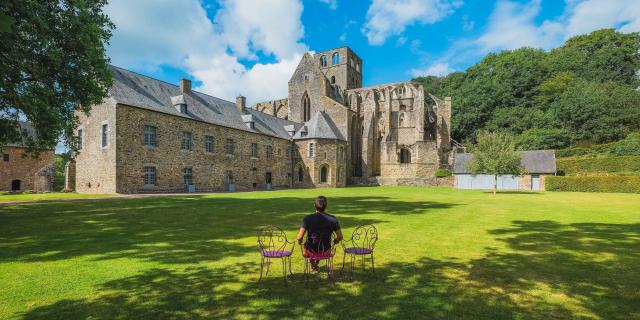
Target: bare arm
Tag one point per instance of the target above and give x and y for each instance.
(338, 236)
(300, 235)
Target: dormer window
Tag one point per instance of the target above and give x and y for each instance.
(252, 125)
(183, 108)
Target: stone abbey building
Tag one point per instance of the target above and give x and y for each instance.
(152, 136)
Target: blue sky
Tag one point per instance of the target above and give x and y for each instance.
(251, 47)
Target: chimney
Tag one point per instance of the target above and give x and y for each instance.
(185, 85)
(241, 102)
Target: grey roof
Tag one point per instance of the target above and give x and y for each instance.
(30, 130)
(133, 89)
(535, 161)
(320, 126)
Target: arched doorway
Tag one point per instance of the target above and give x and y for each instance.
(15, 185)
(324, 174)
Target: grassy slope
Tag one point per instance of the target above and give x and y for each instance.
(442, 253)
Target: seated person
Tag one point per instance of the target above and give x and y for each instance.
(320, 225)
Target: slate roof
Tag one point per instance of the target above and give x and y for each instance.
(320, 126)
(535, 161)
(136, 90)
(31, 131)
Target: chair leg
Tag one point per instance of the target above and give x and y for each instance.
(290, 272)
(344, 256)
(266, 274)
(353, 259)
(261, 266)
(363, 262)
(284, 270)
(373, 265)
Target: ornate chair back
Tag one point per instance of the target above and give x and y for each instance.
(364, 236)
(272, 239)
(317, 245)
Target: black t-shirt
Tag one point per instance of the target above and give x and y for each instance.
(319, 227)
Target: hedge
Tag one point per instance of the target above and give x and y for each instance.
(594, 184)
(609, 165)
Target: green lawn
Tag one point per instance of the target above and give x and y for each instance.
(442, 254)
(21, 197)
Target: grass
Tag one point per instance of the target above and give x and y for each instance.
(21, 197)
(442, 254)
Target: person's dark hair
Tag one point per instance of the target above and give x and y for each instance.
(320, 203)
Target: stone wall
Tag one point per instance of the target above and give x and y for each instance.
(33, 174)
(325, 154)
(277, 108)
(96, 165)
(209, 169)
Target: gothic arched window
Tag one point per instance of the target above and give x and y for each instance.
(323, 61)
(300, 173)
(333, 79)
(306, 107)
(335, 59)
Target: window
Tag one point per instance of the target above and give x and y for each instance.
(269, 152)
(405, 155)
(254, 150)
(324, 174)
(80, 139)
(310, 150)
(340, 152)
(208, 144)
(306, 107)
(186, 141)
(323, 61)
(105, 135)
(149, 176)
(352, 63)
(401, 120)
(5, 157)
(183, 108)
(335, 59)
(230, 147)
(228, 177)
(149, 136)
(187, 176)
(358, 67)
(300, 174)
(333, 79)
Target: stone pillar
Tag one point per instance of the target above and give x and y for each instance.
(70, 176)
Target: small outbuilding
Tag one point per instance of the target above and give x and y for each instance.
(537, 165)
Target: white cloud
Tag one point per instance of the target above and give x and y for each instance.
(386, 18)
(333, 4)
(153, 33)
(513, 25)
(437, 69)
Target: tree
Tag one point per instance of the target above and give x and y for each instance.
(495, 153)
(52, 64)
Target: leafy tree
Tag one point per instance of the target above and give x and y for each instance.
(598, 112)
(52, 64)
(495, 153)
(603, 55)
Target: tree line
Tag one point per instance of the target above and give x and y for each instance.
(584, 92)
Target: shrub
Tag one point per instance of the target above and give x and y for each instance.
(594, 184)
(627, 147)
(605, 165)
(537, 139)
(441, 173)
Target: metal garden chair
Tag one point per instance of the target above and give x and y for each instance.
(273, 244)
(362, 242)
(324, 254)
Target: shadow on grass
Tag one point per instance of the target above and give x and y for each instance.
(551, 271)
(172, 230)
